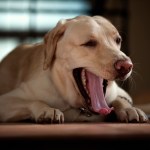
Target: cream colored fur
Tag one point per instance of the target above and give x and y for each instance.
(36, 80)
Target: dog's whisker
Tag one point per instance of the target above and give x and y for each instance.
(132, 83)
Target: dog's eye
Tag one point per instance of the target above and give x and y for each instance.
(90, 43)
(118, 40)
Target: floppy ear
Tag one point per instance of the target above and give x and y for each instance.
(50, 40)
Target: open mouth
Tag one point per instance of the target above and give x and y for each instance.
(93, 89)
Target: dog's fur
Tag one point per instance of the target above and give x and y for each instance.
(36, 80)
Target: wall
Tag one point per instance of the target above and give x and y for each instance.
(139, 44)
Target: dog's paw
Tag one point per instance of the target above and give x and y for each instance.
(131, 114)
(49, 115)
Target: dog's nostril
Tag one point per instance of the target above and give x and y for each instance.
(123, 67)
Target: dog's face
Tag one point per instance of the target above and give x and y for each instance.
(93, 44)
(89, 47)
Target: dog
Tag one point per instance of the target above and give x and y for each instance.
(69, 77)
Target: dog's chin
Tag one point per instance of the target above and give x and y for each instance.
(92, 89)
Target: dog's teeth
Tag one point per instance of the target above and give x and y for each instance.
(84, 81)
(83, 72)
(83, 76)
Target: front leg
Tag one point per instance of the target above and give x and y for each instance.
(123, 105)
(125, 111)
(42, 113)
(18, 105)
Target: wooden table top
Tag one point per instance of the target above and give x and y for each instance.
(85, 136)
(85, 130)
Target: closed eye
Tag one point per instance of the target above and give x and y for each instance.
(90, 43)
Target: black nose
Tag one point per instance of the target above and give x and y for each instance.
(123, 67)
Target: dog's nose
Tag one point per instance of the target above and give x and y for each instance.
(123, 67)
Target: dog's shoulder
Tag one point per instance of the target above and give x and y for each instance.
(21, 63)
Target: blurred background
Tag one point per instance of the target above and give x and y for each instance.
(27, 21)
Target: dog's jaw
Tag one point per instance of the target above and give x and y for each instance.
(92, 89)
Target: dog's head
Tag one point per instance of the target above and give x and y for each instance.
(90, 49)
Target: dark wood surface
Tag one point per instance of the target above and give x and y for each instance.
(99, 130)
(80, 136)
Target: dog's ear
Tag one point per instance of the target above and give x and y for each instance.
(50, 41)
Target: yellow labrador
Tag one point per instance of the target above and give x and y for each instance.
(69, 77)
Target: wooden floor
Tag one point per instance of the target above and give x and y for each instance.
(99, 130)
(80, 136)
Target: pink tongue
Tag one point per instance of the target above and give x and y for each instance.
(95, 87)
